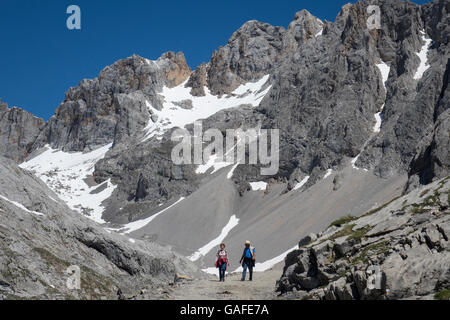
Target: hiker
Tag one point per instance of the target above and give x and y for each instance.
(222, 261)
(248, 260)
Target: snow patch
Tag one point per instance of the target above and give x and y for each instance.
(66, 174)
(203, 251)
(210, 270)
(328, 173)
(385, 70)
(354, 163)
(230, 174)
(423, 56)
(258, 186)
(21, 206)
(264, 266)
(172, 115)
(213, 162)
(136, 225)
(301, 183)
(378, 121)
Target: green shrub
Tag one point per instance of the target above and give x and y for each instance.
(442, 295)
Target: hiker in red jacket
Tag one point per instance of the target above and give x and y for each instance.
(222, 261)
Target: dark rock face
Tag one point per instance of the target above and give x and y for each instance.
(198, 80)
(412, 106)
(18, 131)
(432, 156)
(146, 177)
(335, 89)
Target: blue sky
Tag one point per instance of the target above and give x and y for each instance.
(40, 58)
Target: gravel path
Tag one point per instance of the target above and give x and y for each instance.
(261, 288)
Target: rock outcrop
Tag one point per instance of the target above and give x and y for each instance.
(397, 251)
(41, 238)
(18, 131)
(251, 53)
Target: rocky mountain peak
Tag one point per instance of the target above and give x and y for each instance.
(18, 131)
(304, 27)
(175, 68)
(251, 53)
(95, 112)
(198, 80)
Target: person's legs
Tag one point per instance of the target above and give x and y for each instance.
(250, 270)
(244, 272)
(223, 269)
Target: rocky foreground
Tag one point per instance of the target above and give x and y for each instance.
(407, 238)
(40, 238)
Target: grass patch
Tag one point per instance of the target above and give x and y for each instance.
(95, 285)
(373, 249)
(442, 295)
(341, 221)
(368, 213)
(442, 182)
(346, 231)
(57, 263)
(359, 234)
(432, 200)
(351, 234)
(418, 209)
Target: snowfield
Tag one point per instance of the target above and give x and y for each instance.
(68, 175)
(384, 69)
(139, 224)
(203, 251)
(173, 115)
